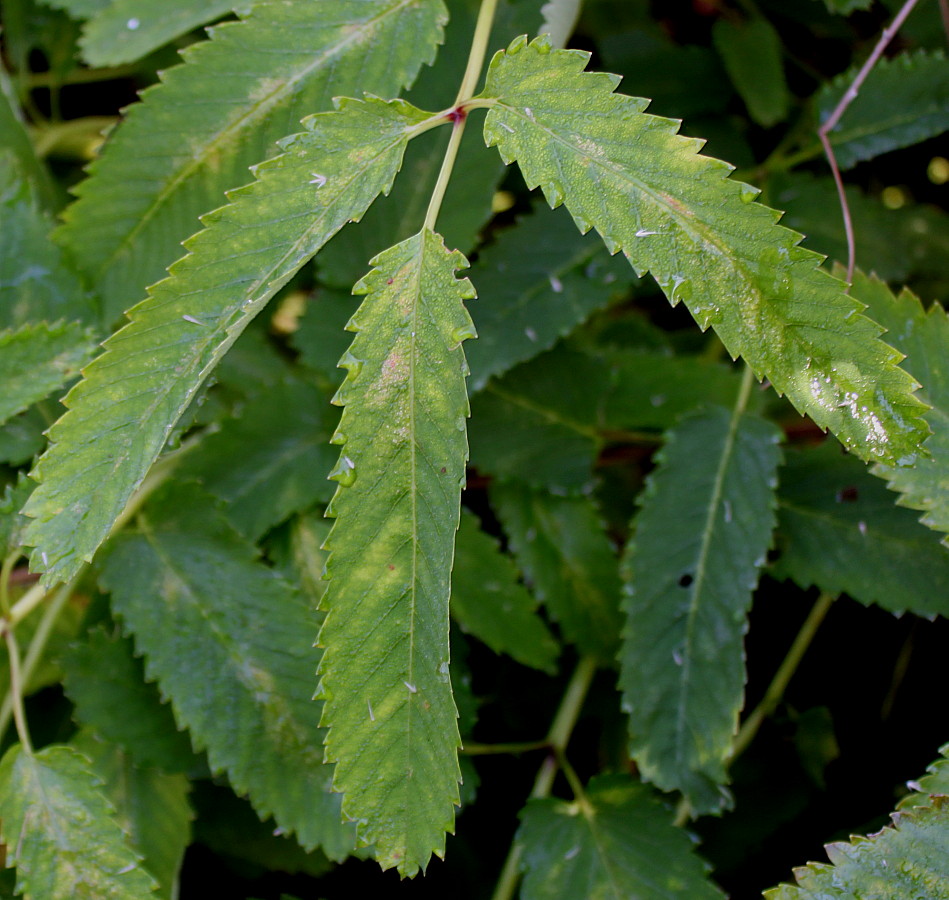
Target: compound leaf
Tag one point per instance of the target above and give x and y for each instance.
(618, 842)
(840, 530)
(923, 336)
(127, 30)
(700, 539)
(221, 631)
(489, 602)
(903, 101)
(60, 832)
(235, 96)
(560, 544)
(707, 243)
(384, 674)
(123, 411)
(36, 359)
(907, 859)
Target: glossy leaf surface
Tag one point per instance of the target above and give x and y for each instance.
(707, 243)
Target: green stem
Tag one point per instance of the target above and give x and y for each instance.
(489, 749)
(479, 46)
(463, 103)
(16, 690)
(557, 738)
(5, 571)
(25, 605)
(35, 652)
(783, 676)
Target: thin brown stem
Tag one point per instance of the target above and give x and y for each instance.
(849, 96)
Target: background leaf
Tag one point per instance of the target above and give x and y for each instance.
(270, 460)
(384, 674)
(60, 832)
(903, 101)
(151, 807)
(536, 283)
(221, 631)
(102, 676)
(935, 781)
(620, 843)
(35, 360)
(280, 62)
(751, 52)
(489, 602)
(675, 213)
(840, 530)
(700, 539)
(127, 30)
(560, 544)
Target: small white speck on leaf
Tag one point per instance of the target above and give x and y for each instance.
(45, 559)
(192, 320)
(412, 688)
(317, 179)
(132, 24)
(531, 334)
(862, 527)
(571, 853)
(556, 284)
(643, 233)
(372, 717)
(507, 127)
(126, 869)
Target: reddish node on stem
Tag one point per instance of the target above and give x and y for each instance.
(456, 115)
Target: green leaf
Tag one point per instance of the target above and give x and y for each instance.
(102, 676)
(12, 523)
(321, 337)
(899, 242)
(37, 359)
(81, 9)
(676, 214)
(559, 19)
(270, 460)
(151, 807)
(537, 283)
(384, 674)
(121, 414)
(906, 860)
(617, 842)
(845, 7)
(923, 336)
(839, 529)
(34, 281)
(934, 782)
(566, 557)
(22, 438)
(221, 631)
(903, 101)
(700, 540)
(237, 94)
(535, 426)
(60, 832)
(16, 149)
(127, 30)
(751, 52)
(489, 602)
